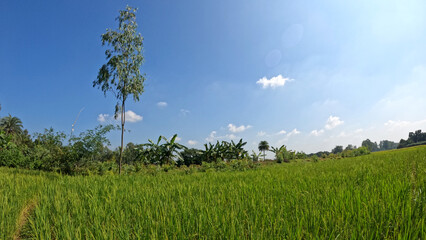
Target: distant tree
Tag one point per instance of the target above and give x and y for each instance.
(417, 136)
(254, 156)
(90, 145)
(48, 151)
(403, 143)
(337, 149)
(371, 146)
(263, 147)
(300, 155)
(121, 74)
(191, 156)
(414, 138)
(131, 153)
(11, 125)
(387, 145)
(281, 154)
(350, 147)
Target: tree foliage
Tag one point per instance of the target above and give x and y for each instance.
(337, 149)
(283, 155)
(414, 138)
(371, 146)
(224, 151)
(11, 125)
(263, 147)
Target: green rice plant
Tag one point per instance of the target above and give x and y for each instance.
(377, 196)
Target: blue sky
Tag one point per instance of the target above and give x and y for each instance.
(306, 74)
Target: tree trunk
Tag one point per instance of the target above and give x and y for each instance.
(123, 120)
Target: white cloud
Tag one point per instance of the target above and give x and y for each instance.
(211, 137)
(333, 122)
(103, 117)
(274, 82)
(396, 124)
(130, 117)
(317, 132)
(405, 126)
(235, 129)
(282, 132)
(261, 134)
(162, 104)
(231, 136)
(293, 132)
(359, 130)
(342, 134)
(192, 142)
(184, 112)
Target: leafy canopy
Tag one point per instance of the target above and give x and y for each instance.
(121, 74)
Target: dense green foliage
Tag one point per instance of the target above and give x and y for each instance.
(382, 146)
(55, 151)
(88, 153)
(224, 151)
(376, 196)
(414, 139)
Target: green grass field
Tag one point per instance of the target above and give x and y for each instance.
(377, 196)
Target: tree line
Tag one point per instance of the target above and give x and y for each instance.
(414, 139)
(350, 150)
(90, 151)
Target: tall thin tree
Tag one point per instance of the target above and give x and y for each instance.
(121, 74)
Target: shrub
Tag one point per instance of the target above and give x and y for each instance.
(205, 166)
(168, 167)
(242, 165)
(152, 169)
(107, 168)
(13, 157)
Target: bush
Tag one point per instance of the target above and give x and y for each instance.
(220, 166)
(107, 168)
(167, 167)
(205, 166)
(13, 157)
(188, 170)
(152, 169)
(242, 165)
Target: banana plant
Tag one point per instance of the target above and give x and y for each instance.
(224, 151)
(255, 156)
(281, 154)
(152, 151)
(170, 150)
(163, 153)
(237, 150)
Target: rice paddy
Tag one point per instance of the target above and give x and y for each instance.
(377, 196)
